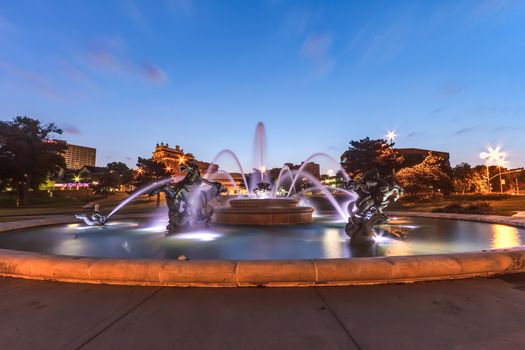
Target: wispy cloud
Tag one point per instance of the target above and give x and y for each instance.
(411, 134)
(316, 47)
(135, 13)
(486, 8)
(36, 81)
(153, 73)
(451, 89)
(296, 21)
(382, 41)
(437, 110)
(109, 55)
(464, 130)
(6, 25)
(75, 74)
(178, 5)
(71, 129)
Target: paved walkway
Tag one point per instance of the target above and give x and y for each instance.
(467, 314)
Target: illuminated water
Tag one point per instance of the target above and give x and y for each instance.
(323, 239)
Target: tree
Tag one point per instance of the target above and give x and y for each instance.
(461, 174)
(468, 179)
(125, 174)
(107, 182)
(366, 154)
(28, 154)
(150, 171)
(426, 177)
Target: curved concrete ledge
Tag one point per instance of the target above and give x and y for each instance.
(231, 273)
(242, 273)
(492, 219)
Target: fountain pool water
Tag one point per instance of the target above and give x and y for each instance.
(323, 239)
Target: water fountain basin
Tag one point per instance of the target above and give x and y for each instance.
(270, 211)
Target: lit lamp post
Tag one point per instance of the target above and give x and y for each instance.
(501, 162)
(493, 156)
(391, 137)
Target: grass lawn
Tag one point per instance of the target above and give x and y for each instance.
(502, 204)
(69, 205)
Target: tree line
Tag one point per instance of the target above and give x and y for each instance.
(426, 175)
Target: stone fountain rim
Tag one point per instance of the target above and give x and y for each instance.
(270, 273)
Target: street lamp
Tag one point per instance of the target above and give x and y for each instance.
(493, 156)
(501, 162)
(391, 137)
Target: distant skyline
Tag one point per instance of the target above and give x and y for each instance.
(123, 75)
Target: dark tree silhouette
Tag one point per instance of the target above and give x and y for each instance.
(366, 154)
(150, 171)
(28, 154)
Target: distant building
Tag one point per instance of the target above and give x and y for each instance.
(413, 156)
(174, 157)
(78, 156)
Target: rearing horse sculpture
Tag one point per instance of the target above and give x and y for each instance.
(188, 200)
(374, 194)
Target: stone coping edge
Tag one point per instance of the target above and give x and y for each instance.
(492, 219)
(269, 273)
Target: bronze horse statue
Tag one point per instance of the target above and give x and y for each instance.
(374, 195)
(188, 200)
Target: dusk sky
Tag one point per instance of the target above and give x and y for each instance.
(123, 75)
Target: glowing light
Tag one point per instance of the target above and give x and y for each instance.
(77, 178)
(203, 236)
(391, 136)
(262, 169)
(182, 160)
(493, 155)
(505, 237)
(330, 172)
(380, 239)
(140, 170)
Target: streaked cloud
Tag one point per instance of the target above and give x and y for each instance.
(438, 110)
(464, 130)
(71, 129)
(486, 8)
(316, 48)
(153, 73)
(36, 81)
(6, 25)
(451, 89)
(110, 55)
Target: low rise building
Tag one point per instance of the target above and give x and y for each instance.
(173, 158)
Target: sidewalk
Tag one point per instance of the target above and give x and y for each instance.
(466, 314)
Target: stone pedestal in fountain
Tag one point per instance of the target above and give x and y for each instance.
(282, 211)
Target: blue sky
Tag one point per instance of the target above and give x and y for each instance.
(122, 75)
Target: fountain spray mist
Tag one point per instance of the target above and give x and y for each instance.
(143, 190)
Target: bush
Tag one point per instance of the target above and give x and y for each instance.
(482, 208)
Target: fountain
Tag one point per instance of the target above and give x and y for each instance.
(267, 238)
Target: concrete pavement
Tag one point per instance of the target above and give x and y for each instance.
(467, 314)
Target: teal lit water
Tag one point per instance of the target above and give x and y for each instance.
(321, 240)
